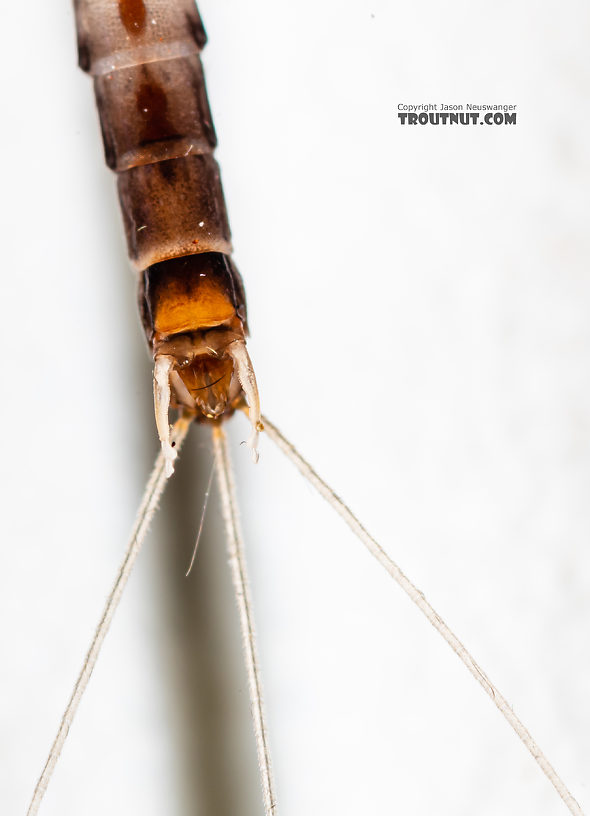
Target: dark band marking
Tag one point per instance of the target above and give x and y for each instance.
(152, 105)
(132, 14)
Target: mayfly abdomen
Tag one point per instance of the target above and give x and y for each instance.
(159, 138)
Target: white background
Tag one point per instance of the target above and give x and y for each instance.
(418, 300)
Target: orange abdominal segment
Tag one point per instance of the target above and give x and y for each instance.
(187, 303)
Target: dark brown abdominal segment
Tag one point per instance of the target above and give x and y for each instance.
(154, 112)
(115, 34)
(173, 208)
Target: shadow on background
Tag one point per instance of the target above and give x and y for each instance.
(201, 649)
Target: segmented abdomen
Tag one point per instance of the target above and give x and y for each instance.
(156, 124)
(159, 139)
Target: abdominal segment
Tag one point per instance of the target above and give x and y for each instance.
(193, 309)
(191, 292)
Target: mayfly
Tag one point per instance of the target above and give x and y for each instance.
(359, 387)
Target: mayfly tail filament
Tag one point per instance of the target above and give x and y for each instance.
(417, 597)
(148, 506)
